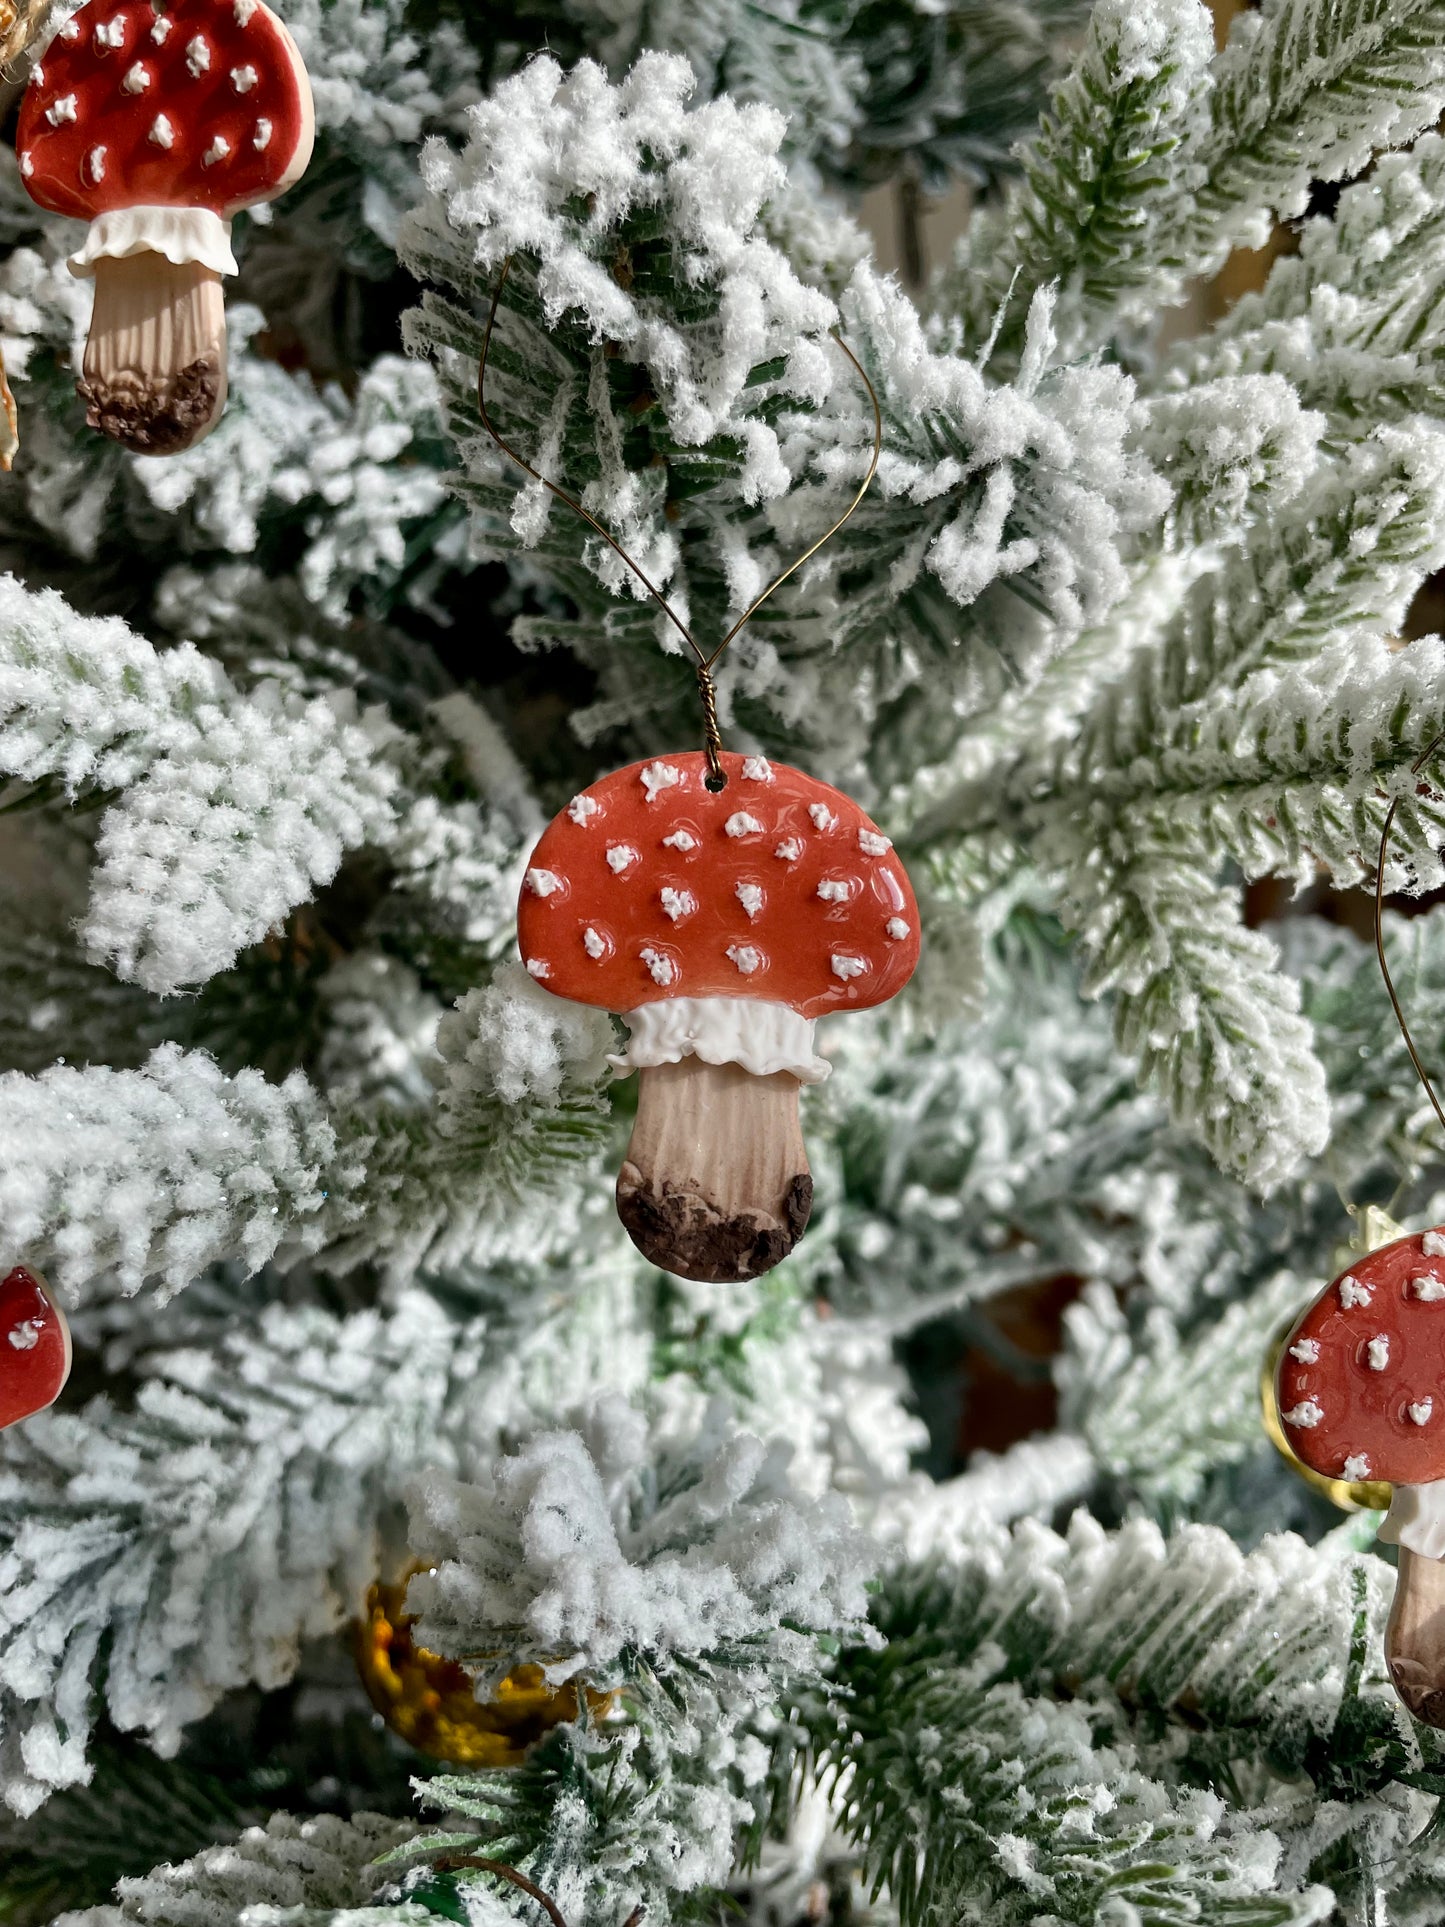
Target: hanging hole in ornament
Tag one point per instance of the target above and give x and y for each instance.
(716, 783)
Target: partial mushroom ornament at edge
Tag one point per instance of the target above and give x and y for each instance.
(1361, 1389)
(158, 127)
(720, 925)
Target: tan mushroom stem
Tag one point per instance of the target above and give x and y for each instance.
(715, 1185)
(1415, 1636)
(155, 363)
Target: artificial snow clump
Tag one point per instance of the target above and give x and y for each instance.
(602, 1550)
(512, 1040)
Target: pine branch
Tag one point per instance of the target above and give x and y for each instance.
(1311, 90)
(157, 1558)
(1105, 182)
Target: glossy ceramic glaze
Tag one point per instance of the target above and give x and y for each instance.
(127, 107)
(1391, 1413)
(34, 1346)
(648, 885)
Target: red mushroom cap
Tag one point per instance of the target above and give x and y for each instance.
(777, 888)
(34, 1347)
(206, 105)
(1361, 1379)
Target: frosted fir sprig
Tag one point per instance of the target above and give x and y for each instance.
(199, 1538)
(1351, 320)
(303, 1870)
(231, 808)
(1155, 1645)
(723, 433)
(156, 1173)
(491, 1169)
(159, 1172)
(1105, 180)
(606, 1553)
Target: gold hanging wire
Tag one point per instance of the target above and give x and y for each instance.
(705, 661)
(1424, 1076)
(455, 1862)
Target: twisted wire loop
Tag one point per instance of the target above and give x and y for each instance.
(455, 1862)
(1424, 1076)
(706, 661)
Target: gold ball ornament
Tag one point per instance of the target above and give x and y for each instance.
(430, 1702)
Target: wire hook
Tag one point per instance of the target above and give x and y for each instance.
(706, 662)
(1424, 1076)
(455, 1862)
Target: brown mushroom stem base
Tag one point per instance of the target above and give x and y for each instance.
(716, 1184)
(155, 363)
(1415, 1636)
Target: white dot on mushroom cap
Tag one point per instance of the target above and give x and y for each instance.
(659, 776)
(1429, 1290)
(873, 843)
(1378, 1353)
(745, 957)
(790, 849)
(594, 945)
(1353, 1293)
(111, 33)
(741, 824)
(846, 967)
(26, 1335)
(1307, 1413)
(262, 137)
(583, 807)
(1433, 1244)
(27, 166)
(538, 968)
(61, 110)
(679, 840)
(619, 855)
(750, 896)
(95, 164)
(137, 78)
(37, 72)
(71, 30)
(243, 10)
(1307, 1351)
(162, 133)
(1420, 1414)
(757, 769)
(198, 56)
(833, 890)
(896, 928)
(161, 31)
(243, 79)
(822, 816)
(542, 882)
(677, 903)
(1356, 1466)
(660, 968)
(219, 148)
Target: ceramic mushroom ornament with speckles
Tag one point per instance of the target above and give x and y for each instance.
(157, 128)
(720, 925)
(1361, 1389)
(34, 1346)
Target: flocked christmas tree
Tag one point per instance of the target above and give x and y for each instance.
(322, 1176)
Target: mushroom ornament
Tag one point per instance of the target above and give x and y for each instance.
(1361, 1389)
(720, 923)
(157, 128)
(34, 1346)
